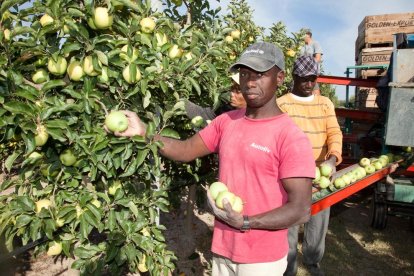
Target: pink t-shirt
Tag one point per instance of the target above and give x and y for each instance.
(253, 156)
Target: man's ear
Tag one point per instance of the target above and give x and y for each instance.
(280, 77)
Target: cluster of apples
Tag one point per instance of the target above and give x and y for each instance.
(219, 192)
(322, 175)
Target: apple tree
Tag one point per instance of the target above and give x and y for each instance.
(64, 66)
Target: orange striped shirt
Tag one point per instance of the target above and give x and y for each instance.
(318, 120)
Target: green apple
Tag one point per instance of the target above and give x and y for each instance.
(43, 203)
(351, 176)
(383, 161)
(116, 121)
(235, 34)
(377, 165)
(362, 172)
(326, 170)
(237, 204)
(6, 34)
(251, 39)
(217, 187)
(46, 20)
(370, 169)
(364, 162)
(127, 76)
(175, 52)
(75, 70)
(228, 39)
(346, 179)
(124, 54)
(197, 121)
(408, 149)
(41, 136)
(57, 67)
(114, 187)
(55, 248)
(390, 157)
(40, 76)
(225, 195)
(67, 158)
(147, 25)
(88, 66)
(339, 183)
(324, 182)
(102, 18)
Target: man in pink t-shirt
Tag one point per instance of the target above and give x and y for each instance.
(263, 157)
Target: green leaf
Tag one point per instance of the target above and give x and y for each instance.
(168, 132)
(10, 160)
(23, 220)
(16, 107)
(147, 99)
(195, 85)
(139, 159)
(102, 57)
(53, 84)
(111, 220)
(133, 208)
(25, 203)
(84, 253)
(57, 123)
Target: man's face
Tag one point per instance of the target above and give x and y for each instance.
(236, 97)
(259, 88)
(303, 86)
(307, 38)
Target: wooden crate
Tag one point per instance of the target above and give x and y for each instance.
(378, 30)
(373, 56)
(365, 98)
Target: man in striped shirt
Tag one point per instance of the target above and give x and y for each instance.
(315, 115)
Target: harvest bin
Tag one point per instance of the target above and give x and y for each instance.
(331, 198)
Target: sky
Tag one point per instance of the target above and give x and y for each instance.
(334, 24)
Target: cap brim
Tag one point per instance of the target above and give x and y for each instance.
(255, 63)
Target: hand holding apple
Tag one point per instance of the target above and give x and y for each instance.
(227, 214)
(135, 125)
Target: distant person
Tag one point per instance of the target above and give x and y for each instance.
(315, 115)
(263, 157)
(207, 113)
(312, 48)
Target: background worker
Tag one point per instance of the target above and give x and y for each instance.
(236, 101)
(259, 150)
(312, 48)
(315, 115)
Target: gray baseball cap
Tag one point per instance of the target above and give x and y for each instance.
(261, 57)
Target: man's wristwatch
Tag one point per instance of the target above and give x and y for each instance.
(246, 224)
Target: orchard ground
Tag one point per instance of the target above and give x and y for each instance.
(352, 246)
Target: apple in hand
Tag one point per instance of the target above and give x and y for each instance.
(116, 121)
(216, 188)
(326, 170)
(225, 195)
